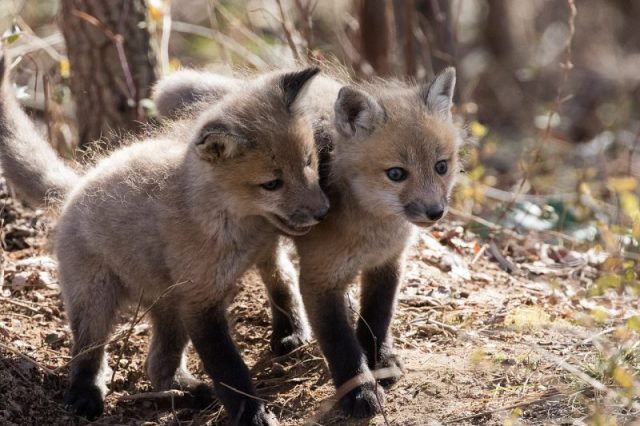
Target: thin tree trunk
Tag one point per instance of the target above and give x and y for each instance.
(112, 64)
(375, 33)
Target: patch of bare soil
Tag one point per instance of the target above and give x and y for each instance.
(480, 345)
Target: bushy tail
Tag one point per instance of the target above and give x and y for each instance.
(180, 93)
(28, 162)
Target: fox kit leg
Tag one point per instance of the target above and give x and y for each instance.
(288, 324)
(378, 296)
(92, 298)
(331, 325)
(209, 332)
(166, 364)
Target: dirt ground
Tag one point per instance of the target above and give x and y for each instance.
(483, 341)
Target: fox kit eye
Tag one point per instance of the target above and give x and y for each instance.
(441, 167)
(397, 174)
(272, 185)
(309, 159)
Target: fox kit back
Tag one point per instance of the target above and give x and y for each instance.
(174, 225)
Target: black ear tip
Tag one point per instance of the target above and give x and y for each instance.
(346, 91)
(449, 71)
(296, 79)
(293, 82)
(311, 71)
(448, 74)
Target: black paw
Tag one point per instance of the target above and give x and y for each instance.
(259, 418)
(364, 401)
(201, 395)
(282, 345)
(85, 401)
(388, 369)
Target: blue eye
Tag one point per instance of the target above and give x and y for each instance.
(397, 174)
(441, 167)
(272, 185)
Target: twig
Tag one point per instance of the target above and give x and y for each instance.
(479, 254)
(134, 321)
(28, 359)
(508, 407)
(223, 40)
(214, 22)
(304, 10)
(592, 382)
(502, 261)
(286, 28)
(451, 329)
(288, 355)
(257, 398)
(632, 152)
(123, 335)
(537, 151)
(172, 393)
(21, 304)
(339, 395)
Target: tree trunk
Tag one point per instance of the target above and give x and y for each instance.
(112, 64)
(375, 34)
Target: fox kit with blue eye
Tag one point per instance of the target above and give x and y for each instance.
(393, 165)
(173, 226)
(390, 160)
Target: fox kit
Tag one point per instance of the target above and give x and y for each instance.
(174, 225)
(392, 165)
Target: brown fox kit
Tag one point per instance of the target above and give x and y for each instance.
(174, 225)
(392, 165)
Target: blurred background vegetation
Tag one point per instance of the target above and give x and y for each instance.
(548, 89)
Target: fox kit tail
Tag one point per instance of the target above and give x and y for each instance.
(27, 160)
(179, 93)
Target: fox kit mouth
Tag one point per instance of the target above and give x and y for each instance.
(287, 226)
(423, 223)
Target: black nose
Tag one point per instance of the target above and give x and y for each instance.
(434, 212)
(320, 213)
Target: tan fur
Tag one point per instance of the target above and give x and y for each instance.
(175, 225)
(370, 129)
(369, 225)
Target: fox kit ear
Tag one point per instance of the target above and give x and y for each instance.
(293, 84)
(357, 113)
(216, 142)
(438, 96)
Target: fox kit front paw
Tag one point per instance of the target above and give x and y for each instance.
(282, 343)
(389, 368)
(262, 418)
(85, 401)
(364, 401)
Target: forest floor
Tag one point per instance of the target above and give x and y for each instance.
(491, 331)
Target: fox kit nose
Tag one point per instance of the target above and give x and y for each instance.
(305, 216)
(434, 211)
(320, 213)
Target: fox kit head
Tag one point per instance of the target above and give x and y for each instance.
(258, 148)
(400, 149)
